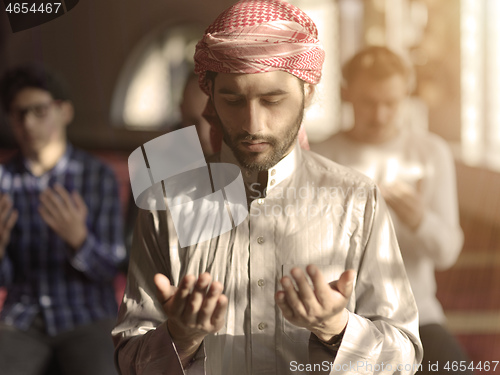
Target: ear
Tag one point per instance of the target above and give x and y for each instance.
(308, 94)
(68, 112)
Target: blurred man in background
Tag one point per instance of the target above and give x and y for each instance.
(416, 175)
(60, 237)
(193, 103)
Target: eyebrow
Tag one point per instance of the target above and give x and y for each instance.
(277, 92)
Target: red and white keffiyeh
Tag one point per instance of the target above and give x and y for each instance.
(258, 36)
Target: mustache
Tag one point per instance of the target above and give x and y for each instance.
(251, 138)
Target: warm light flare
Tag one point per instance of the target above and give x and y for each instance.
(470, 24)
(472, 57)
(493, 82)
(321, 118)
(145, 105)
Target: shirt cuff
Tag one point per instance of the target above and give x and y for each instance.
(420, 235)
(79, 260)
(359, 339)
(197, 365)
(333, 344)
(156, 354)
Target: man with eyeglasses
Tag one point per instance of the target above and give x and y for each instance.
(60, 237)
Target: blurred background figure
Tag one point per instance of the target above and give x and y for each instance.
(192, 105)
(415, 172)
(60, 237)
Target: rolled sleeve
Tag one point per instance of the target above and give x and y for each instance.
(103, 250)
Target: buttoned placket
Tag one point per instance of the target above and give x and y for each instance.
(263, 273)
(262, 286)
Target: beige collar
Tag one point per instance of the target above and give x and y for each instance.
(282, 170)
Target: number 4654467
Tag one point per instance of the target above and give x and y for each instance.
(25, 8)
(464, 365)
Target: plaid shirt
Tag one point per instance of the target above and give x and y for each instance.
(41, 272)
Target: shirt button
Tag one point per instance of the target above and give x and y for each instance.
(272, 182)
(273, 172)
(260, 240)
(262, 326)
(260, 201)
(261, 282)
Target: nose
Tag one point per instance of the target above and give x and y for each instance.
(254, 118)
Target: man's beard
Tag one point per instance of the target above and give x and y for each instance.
(278, 145)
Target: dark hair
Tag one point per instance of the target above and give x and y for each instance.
(378, 63)
(30, 76)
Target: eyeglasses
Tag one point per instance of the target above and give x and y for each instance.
(38, 110)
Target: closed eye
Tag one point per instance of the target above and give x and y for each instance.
(271, 101)
(232, 99)
(233, 102)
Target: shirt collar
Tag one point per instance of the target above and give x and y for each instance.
(61, 165)
(275, 175)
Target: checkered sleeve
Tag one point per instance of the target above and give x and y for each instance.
(103, 249)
